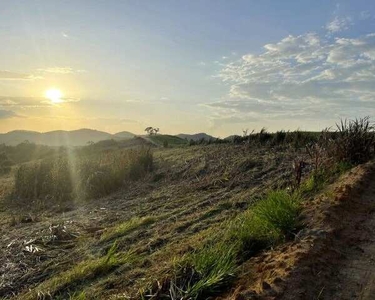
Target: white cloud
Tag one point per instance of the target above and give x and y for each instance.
(61, 70)
(306, 77)
(338, 24)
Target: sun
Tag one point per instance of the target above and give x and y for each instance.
(54, 95)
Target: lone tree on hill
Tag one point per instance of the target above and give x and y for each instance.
(151, 130)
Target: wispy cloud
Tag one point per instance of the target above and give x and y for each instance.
(338, 24)
(364, 15)
(305, 77)
(29, 102)
(61, 70)
(8, 75)
(7, 114)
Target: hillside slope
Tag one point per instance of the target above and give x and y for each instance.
(192, 191)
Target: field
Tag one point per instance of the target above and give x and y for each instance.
(184, 228)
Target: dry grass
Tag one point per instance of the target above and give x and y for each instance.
(84, 271)
(71, 177)
(126, 227)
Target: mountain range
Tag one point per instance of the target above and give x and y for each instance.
(78, 137)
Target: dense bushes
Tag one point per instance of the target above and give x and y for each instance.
(71, 177)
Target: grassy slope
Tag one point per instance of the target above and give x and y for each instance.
(192, 191)
(172, 140)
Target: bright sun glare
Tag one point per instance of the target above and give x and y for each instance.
(54, 95)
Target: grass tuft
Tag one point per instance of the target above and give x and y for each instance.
(126, 227)
(279, 210)
(84, 271)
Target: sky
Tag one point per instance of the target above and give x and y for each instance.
(185, 66)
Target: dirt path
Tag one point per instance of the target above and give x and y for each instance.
(340, 264)
(354, 275)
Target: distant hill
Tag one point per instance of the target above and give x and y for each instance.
(196, 136)
(124, 135)
(78, 137)
(166, 140)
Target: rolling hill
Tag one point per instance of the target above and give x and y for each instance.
(78, 137)
(196, 136)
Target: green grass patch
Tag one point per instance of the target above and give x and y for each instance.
(166, 140)
(214, 267)
(197, 275)
(320, 178)
(86, 271)
(279, 210)
(210, 269)
(126, 227)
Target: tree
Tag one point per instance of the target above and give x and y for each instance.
(151, 130)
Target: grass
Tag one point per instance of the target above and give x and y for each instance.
(85, 271)
(279, 210)
(211, 268)
(126, 227)
(214, 266)
(71, 177)
(166, 140)
(320, 177)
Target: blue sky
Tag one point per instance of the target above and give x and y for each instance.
(186, 66)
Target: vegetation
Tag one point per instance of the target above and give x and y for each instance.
(84, 271)
(210, 268)
(71, 177)
(169, 140)
(126, 227)
(212, 207)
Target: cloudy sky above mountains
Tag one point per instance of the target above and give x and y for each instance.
(186, 66)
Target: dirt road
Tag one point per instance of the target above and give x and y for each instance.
(354, 274)
(341, 263)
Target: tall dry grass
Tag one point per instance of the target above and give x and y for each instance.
(68, 177)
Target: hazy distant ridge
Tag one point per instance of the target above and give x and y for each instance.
(196, 136)
(78, 137)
